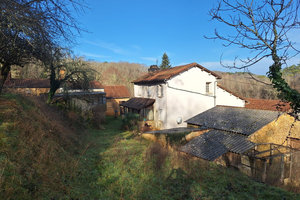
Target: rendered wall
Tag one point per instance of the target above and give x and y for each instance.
(187, 96)
(224, 98)
(112, 105)
(160, 105)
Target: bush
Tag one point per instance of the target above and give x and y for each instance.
(130, 122)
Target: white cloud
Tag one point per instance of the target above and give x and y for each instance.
(109, 46)
(93, 55)
(152, 59)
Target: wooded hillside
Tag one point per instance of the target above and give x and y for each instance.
(123, 73)
(244, 85)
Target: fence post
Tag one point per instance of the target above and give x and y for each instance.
(291, 164)
(264, 175)
(282, 169)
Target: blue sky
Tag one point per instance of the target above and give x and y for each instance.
(140, 31)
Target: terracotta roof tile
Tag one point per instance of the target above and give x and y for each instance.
(116, 91)
(163, 75)
(40, 83)
(267, 104)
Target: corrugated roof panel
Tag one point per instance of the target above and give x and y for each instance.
(214, 144)
(175, 130)
(240, 120)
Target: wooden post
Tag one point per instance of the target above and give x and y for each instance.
(264, 175)
(291, 165)
(282, 169)
(271, 153)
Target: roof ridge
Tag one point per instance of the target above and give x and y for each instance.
(166, 74)
(244, 108)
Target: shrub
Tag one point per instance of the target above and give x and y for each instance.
(130, 122)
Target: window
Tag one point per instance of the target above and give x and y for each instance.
(149, 113)
(148, 92)
(159, 90)
(207, 87)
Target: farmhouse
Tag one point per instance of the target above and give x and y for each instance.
(167, 98)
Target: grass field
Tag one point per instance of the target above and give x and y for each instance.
(120, 165)
(57, 160)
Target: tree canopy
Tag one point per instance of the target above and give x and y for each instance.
(165, 63)
(30, 29)
(263, 28)
(291, 70)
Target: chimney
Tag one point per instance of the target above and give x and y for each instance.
(153, 68)
(62, 73)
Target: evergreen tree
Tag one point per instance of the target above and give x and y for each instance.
(165, 63)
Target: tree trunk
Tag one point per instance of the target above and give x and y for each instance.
(54, 84)
(5, 69)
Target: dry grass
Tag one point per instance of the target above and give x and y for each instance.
(40, 147)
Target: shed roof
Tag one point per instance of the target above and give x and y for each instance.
(27, 83)
(138, 103)
(234, 119)
(41, 83)
(215, 143)
(175, 130)
(163, 75)
(116, 91)
(267, 104)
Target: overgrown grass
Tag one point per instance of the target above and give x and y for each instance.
(38, 150)
(42, 157)
(122, 165)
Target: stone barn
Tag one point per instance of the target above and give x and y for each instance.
(114, 96)
(261, 143)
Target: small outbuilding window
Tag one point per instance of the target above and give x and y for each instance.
(159, 90)
(207, 87)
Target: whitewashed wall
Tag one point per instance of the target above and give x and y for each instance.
(187, 96)
(160, 105)
(224, 98)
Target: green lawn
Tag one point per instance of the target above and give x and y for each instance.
(119, 165)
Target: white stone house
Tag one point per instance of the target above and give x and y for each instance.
(179, 93)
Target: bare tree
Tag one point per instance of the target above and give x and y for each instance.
(68, 72)
(29, 28)
(263, 27)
